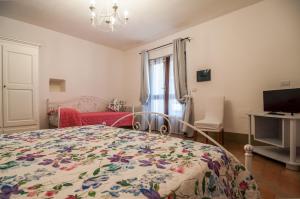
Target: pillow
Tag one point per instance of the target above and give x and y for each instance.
(52, 112)
(116, 105)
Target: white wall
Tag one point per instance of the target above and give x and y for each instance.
(88, 68)
(249, 50)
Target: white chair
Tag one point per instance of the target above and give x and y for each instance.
(213, 118)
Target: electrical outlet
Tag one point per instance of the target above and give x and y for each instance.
(286, 83)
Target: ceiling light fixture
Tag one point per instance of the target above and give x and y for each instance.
(108, 18)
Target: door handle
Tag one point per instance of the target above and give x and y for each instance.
(4, 86)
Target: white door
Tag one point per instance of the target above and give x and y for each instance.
(19, 85)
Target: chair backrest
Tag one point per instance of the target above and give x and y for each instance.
(214, 108)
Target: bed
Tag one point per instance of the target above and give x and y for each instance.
(99, 161)
(85, 110)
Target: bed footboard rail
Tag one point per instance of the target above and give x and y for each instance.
(248, 156)
(165, 129)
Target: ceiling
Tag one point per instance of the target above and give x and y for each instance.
(149, 20)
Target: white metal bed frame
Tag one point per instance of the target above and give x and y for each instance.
(166, 130)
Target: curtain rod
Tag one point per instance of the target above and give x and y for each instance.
(187, 38)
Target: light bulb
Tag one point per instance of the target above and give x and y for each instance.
(93, 3)
(126, 14)
(93, 21)
(112, 28)
(113, 20)
(115, 2)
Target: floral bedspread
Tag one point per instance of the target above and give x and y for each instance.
(105, 162)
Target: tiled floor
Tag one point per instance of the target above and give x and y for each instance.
(273, 179)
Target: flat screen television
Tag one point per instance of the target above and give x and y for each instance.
(285, 100)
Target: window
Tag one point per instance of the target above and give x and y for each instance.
(162, 91)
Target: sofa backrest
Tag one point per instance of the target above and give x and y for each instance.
(82, 104)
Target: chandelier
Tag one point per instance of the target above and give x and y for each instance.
(108, 17)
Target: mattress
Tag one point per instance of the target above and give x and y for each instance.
(105, 162)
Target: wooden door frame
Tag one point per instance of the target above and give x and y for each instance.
(167, 87)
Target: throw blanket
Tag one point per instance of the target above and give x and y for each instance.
(108, 118)
(69, 117)
(112, 163)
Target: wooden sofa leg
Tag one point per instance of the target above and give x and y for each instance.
(195, 135)
(221, 137)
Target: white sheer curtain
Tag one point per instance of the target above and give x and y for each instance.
(156, 103)
(175, 108)
(157, 91)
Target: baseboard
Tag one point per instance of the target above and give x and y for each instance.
(9, 130)
(239, 138)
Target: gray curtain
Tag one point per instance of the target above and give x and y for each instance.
(180, 78)
(145, 88)
(145, 82)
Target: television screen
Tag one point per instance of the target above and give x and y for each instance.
(286, 100)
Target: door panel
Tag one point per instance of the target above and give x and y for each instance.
(20, 109)
(19, 85)
(20, 69)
